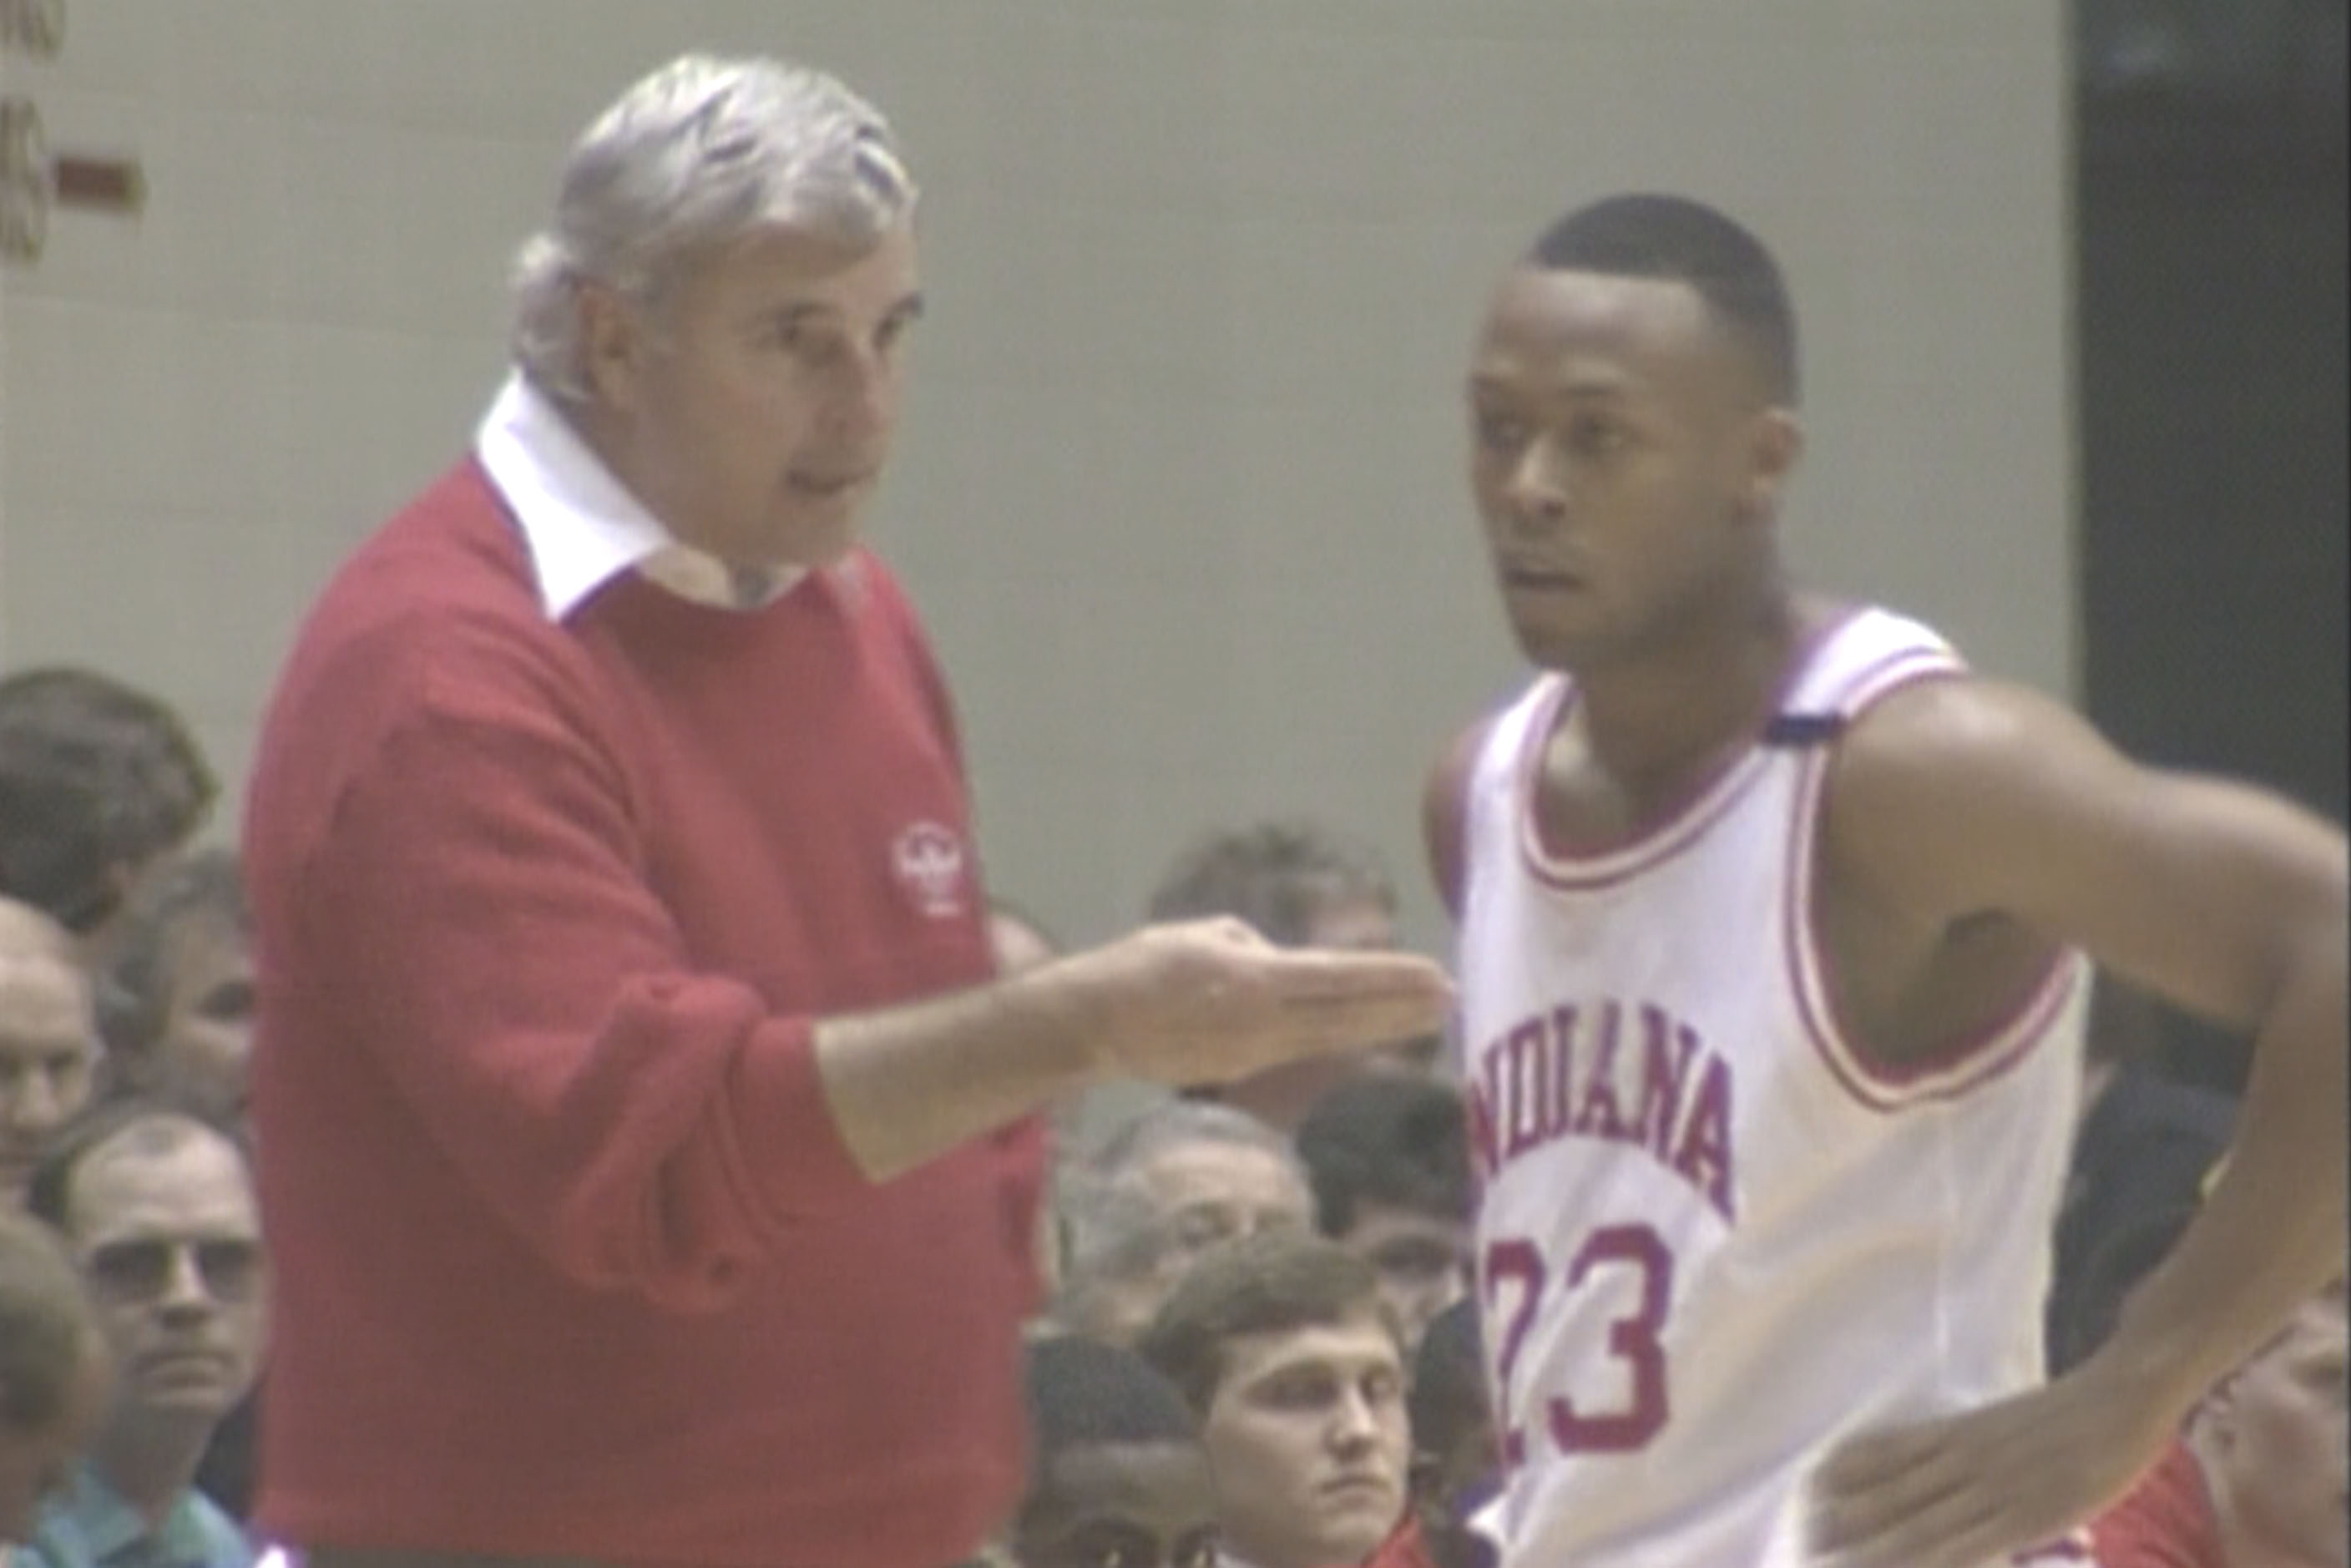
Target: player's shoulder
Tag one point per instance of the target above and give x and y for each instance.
(1955, 731)
(1948, 795)
(1445, 798)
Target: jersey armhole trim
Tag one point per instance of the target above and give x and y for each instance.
(1967, 1064)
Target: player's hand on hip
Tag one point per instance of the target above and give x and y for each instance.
(1205, 1000)
(1972, 1488)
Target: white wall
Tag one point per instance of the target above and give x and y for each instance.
(1180, 488)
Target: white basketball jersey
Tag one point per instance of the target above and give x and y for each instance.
(1712, 1238)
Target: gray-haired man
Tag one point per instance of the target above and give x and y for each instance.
(651, 1165)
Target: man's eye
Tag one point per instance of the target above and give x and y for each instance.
(1298, 1393)
(1196, 1228)
(1500, 433)
(1598, 435)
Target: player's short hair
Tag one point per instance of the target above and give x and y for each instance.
(1385, 1137)
(46, 1325)
(1276, 875)
(1266, 1282)
(134, 995)
(698, 154)
(95, 775)
(1448, 1399)
(1644, 234)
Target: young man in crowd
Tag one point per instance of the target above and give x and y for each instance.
(1283, 1350)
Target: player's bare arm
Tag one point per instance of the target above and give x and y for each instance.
(1199, 1001)
(1443, 801)
(1979, 823)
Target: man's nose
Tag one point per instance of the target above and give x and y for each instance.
(1354, 1423)
(864, 385)
(185, 1292)
(1537, 488)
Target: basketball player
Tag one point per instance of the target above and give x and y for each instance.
(1772, 925)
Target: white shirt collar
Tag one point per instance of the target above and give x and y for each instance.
(582, 527)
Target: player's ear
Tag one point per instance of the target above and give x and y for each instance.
(1775, 444)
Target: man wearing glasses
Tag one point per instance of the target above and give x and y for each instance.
(158, 1209)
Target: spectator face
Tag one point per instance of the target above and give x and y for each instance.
(1423, 1262)
(1122, 1505)
(1306, 1435)
(35, 1461)
(170, 1240)
(1202, 1191)
(1211, 1190)
(48, 1050)
(208, 1035)
(2277, 1432)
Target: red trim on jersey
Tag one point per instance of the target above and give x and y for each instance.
(1563, 868)
(1967, 1064)
(1669, 836)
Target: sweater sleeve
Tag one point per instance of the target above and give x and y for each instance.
(479, 897)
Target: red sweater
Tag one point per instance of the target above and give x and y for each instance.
(569, 1256)
(2164, 1522)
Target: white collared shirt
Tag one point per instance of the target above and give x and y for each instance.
(582, 527)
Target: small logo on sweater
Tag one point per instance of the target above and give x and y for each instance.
(929, 860)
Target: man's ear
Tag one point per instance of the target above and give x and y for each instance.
(1775, 440)
(2216, 1414)
(612, 334)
